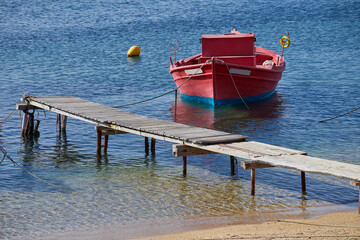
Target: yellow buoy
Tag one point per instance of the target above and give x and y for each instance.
(134, 51)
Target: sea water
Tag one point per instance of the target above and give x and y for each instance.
(78, 48)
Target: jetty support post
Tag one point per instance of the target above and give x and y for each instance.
(98, 143)
(106, 143)
(64, 123)
(36, 129)
(146, 146)
(153, 141)
(182, 150)
(184, 165)
(252, 165)
(104, 131)
(28, 129)
(29, 125)
(252, 180)
(356, 183)
(303, 183)
(58, 123)
(232, 165)
(23, 124)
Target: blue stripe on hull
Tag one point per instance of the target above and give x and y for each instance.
(219, 102)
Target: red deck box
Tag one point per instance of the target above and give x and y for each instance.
(229, 44)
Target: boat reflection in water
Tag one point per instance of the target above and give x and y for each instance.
(230, 118)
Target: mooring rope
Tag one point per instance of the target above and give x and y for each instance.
(325, 120)
(30, 173)
(234, 83)
(161, 95)
(9, 116)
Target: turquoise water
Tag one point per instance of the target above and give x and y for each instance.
(52, 48)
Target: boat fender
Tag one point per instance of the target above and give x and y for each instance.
(285, 41)
(134, 51)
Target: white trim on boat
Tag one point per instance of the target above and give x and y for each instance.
(240, 71)
(193, 71)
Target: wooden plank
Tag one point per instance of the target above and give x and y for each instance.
(108, 131)
(181, 150)
(24, 106)
(263, 148)
(254, 165)
(288, 159)
(355, 183)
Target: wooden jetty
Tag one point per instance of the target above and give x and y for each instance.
(188, 140)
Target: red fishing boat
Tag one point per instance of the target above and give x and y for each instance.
(230, 69)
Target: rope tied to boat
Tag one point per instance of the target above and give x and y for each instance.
(222, 61)
(161, 95)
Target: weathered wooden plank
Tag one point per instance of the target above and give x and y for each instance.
(355, 183)
(181, 150)
(24, 106)
(108, 131)
(254, 165)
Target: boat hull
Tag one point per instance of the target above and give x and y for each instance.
(217, 83)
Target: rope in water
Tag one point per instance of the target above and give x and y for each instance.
(161, 95)
(15, 163)
(9, 116)
(340, 115)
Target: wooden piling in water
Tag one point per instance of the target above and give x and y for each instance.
(252, 182)
(29, 125)
(23, 124)
(303, 182)
(64, 123)
(232, 165)
(36, 129)
(153, 141)
(58, 123)
(184, 166)
(106, 143)
(98, 143)
(146, 146)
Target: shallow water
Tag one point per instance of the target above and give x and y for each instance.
(79, 49)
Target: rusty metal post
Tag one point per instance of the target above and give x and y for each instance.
(146, 146)
(232, 164)
(303, 182)
(98, 143)
(106, 141)
(253, 182)
(153, 141)
(184, 165)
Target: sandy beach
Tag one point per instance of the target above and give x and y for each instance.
(345, 225)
